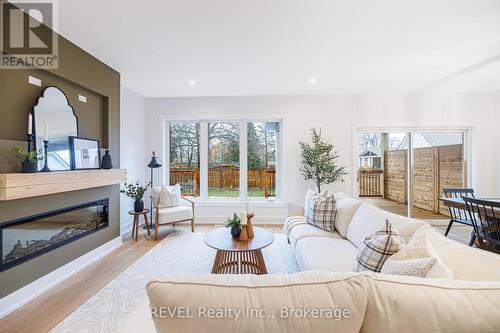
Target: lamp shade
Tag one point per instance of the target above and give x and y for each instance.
(154, 163)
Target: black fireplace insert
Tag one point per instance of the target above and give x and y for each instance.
(26, 238)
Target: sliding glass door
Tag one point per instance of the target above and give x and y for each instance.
(438, 162)
(382, 169)
(405, 172)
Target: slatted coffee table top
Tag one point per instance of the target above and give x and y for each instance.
(221, 239)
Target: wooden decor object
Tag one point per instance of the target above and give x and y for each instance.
(249, 225)
(27, 185)
(243, 234)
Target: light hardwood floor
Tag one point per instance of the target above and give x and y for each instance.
(46, 311)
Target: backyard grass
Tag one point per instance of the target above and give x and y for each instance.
(234, 192)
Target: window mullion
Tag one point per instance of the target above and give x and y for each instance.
(203, 160)
(243, 160)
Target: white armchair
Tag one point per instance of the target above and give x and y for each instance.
(171, 215)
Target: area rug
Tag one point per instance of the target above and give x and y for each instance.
(177, 253)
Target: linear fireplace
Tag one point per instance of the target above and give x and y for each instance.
(26, 238)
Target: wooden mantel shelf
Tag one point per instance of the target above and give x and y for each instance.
(26, 185)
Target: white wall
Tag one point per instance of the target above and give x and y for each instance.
(132, 146)
(337, 116)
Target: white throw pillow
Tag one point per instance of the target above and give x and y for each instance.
(417, 259)
(309, 195)
(339, 195)
(170, 196)
(346, 208)
(413, 260)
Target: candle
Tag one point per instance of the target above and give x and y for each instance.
(243, 217)
(247, 208)
(30, 124)
(46, 131)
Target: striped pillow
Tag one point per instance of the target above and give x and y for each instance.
(322, 212)
(377, 248)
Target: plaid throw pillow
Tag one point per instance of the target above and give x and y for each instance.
(378, 248)
(322, 212)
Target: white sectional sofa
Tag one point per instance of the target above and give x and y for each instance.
(470, 302)
(318, 250)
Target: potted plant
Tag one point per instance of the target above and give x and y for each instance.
(319, 161)
(136, 191)
(235, 224)
(29, 159)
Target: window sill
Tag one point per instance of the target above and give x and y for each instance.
(236, 202)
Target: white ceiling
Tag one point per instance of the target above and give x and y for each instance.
(274, 47)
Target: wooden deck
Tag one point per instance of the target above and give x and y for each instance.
(400, 209)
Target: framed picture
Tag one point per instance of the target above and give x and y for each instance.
(84, 153)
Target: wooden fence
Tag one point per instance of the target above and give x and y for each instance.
(370, 182)
(434, 168)
(224, 177)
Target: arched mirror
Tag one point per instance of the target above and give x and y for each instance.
(55, 121)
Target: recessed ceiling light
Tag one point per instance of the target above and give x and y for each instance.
(312, 80)
(192, 82)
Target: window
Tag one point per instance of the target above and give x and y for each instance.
(225, 159)
(262, 149)
(185, 157)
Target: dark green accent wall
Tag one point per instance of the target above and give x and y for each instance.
(99, 118)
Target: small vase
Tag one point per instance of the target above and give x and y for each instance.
(138, 206)
(106, 162)
(29, 167)
(249, 225)
(243, 234)
(235, 231)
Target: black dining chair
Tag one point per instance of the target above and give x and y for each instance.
(485, 216)
(456, 214)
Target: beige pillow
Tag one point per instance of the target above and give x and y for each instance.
(268, 303)
(417, 259)
(170, 196)
(346, 208)
(413, 260)
(414, 305)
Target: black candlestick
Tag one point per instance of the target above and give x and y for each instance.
(30, 141)
(45, 148)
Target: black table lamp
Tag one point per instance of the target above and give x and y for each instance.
(153, 164)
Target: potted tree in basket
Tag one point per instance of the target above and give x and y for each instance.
(136, 191)
(29, 160)
(319, 161)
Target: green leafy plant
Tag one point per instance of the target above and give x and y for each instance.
(135, 191)
(234, 221)
(319, 161)
(30, 157)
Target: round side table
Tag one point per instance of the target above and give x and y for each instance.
(135, 226)
(238, 257)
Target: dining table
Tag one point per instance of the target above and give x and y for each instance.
(459, 203)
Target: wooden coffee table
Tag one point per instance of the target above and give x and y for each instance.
(238, 257)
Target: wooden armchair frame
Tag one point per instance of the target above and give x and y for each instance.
(157, 215)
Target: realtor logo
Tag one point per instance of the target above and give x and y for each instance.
(26, 38)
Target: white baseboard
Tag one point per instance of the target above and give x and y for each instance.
(21, 296)
(126, 228)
